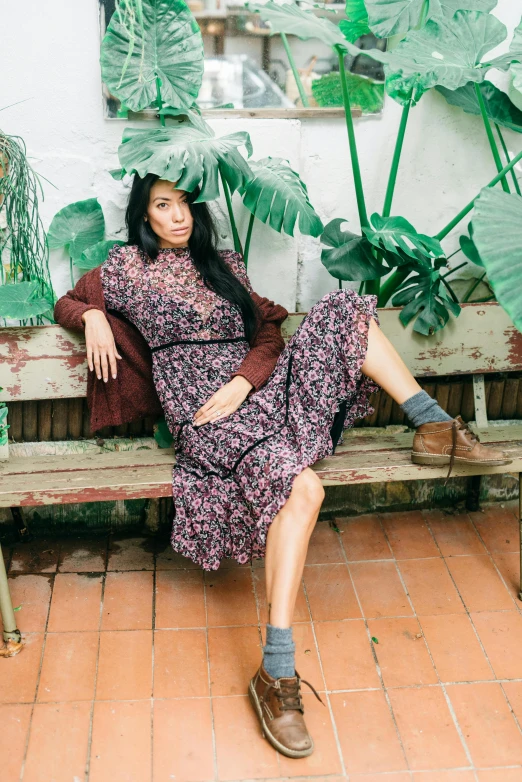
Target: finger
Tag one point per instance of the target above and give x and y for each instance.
(97, 367)
(105, 366)
(89, 358)
(112, 362)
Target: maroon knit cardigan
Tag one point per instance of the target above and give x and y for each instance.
(133, 395)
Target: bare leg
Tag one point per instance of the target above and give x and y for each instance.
(384, 365)
(287, 544)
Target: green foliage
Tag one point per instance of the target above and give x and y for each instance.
(498, 106)
(357, 22)
(277, 196)
(447, 52)
(469, 248)
(162, 434)
(396, 17)
(22, 300)
(351, 256)
(424, 297)
(188, 157)
(295, 20)
(77, 227)
(164, 44)
(4, 426)
(496, 231)
(395, 233)
(364, 93)
(95, 255)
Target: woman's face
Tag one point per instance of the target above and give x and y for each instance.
(169, 214)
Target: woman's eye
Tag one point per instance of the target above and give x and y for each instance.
(163, 204)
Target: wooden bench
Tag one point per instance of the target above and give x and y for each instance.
(48, 362)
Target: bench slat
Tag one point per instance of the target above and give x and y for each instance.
(105, 481)
(48, 362)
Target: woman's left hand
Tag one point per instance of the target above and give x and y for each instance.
(225, 401)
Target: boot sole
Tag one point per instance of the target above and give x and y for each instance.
(290, 753)
(431, 459)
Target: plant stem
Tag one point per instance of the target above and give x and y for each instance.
(297, 76)
(473, 287)
(390, 285)
(248, 238)
(392, 179)
(356, 170)
(451, 271)
(491, 138)
(159, 100)
(235, 234)
(506, 154)
(450, 289)
(467, 209)
(71, 271)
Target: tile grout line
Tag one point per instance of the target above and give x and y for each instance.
(40, 665)
(330, 709)
(91, 718)
(209, 680)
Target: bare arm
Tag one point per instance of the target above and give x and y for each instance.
(101, 348)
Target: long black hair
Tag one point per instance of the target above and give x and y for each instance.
(214, 270)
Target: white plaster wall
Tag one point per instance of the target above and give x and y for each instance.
(50, 61)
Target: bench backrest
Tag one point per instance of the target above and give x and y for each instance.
(48, 362)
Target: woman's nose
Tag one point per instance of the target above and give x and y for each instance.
(177, 214)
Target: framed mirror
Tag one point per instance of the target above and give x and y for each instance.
(247, 70)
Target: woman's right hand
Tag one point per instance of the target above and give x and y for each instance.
(101, 348)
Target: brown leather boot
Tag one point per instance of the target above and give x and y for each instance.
(446, 442)
(279, 706)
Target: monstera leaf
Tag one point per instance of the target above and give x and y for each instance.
(498, 106)
(396, 17)
(96, 255)
(77, 226)
(516, 85)
(165, 43)
(496, 231)
(469, 248)
(277, 196)
(395, 233)
(364, 93)
(447, 52)
(188, 157)
(292, 19)
(425, 298)
(351, 256)
(357, 22)
(22, 300)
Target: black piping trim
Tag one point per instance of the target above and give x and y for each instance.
(196, 342)
(262, 439)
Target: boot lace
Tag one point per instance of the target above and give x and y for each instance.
(456, 426)
(289, 694)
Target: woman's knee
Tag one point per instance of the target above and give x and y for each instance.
(310, 489)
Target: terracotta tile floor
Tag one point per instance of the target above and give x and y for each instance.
(137, 663)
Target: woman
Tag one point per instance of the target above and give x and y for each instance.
(248, 415)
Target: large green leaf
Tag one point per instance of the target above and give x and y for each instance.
(469, 248)
(167, 44)
(364, 93)
(22, 300)
(393, 233)
(294, 20)
(277, 196)
(97, 254)
(357, 22)
(188, 157)
(446, 52)
(77, 227)
(351, 256)
(497, 222)
(498, 106)
(396, 17)
(425, 298)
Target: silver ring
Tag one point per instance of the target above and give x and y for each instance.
(217, 412)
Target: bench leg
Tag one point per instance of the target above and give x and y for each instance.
(520, 528)
(12, 636)
(23, 533)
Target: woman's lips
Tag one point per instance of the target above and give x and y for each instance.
(179, 230)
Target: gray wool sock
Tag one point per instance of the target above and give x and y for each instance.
(279, 652)
(422, 409)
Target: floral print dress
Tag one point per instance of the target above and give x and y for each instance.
(232, 475)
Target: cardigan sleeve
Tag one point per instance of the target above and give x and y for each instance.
(69, 309)
(267, 344)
